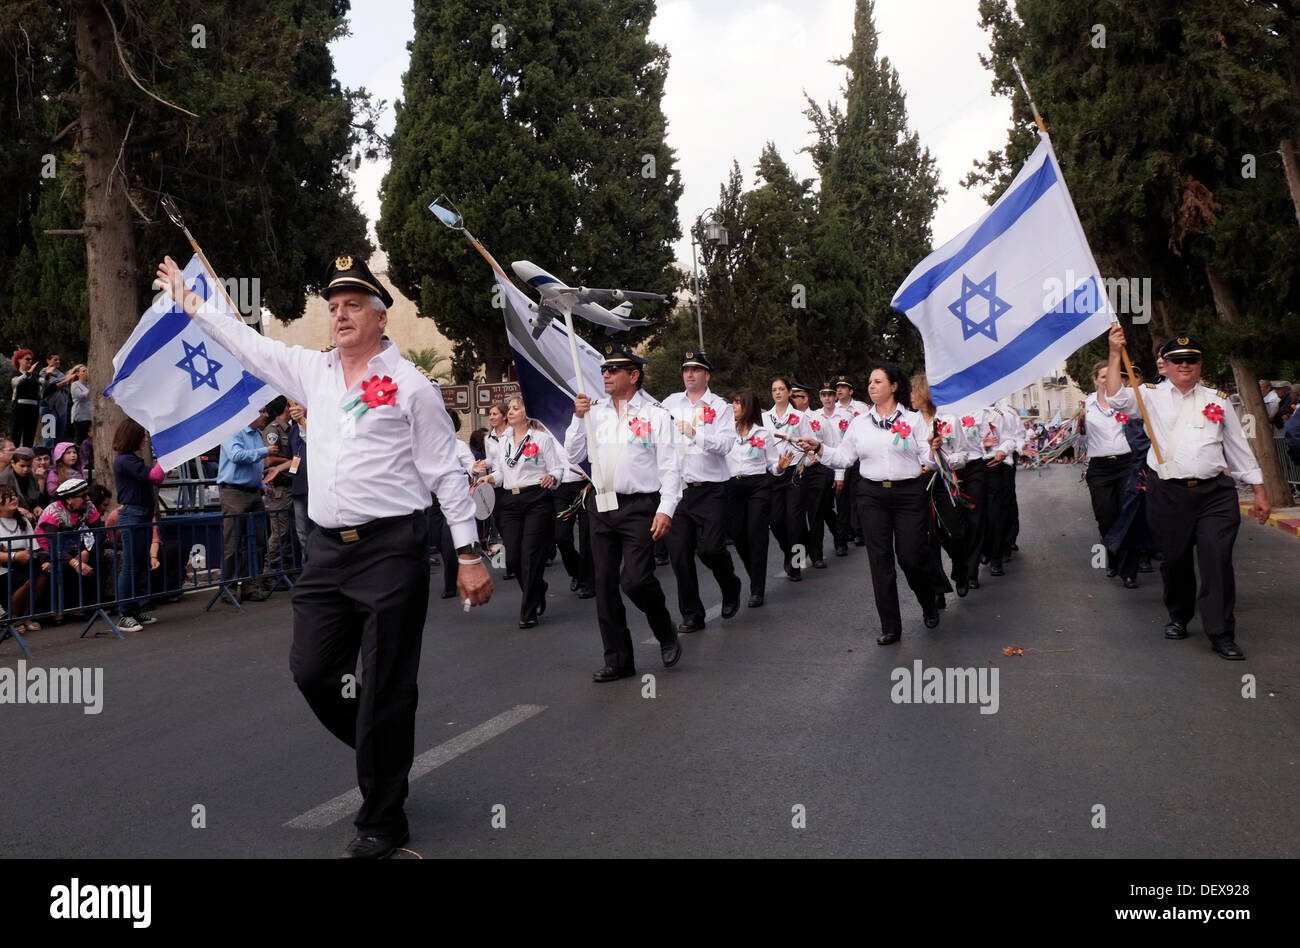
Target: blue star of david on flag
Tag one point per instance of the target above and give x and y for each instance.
(198, 377)
(986, 290)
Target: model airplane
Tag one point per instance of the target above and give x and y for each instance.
(556, 299)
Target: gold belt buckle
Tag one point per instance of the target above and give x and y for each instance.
(886, 483)
(1192, 483)
(514, 490)
(349, 535)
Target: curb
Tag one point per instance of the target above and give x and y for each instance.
(1288, 525)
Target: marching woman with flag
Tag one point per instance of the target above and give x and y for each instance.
(530, 468)
(787, 426)
(947, 502)
(754, 460)
(1110, 461)
(888, 444)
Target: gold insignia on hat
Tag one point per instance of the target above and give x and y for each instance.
(1183, 340)
(342, 263)
(690, 355)
(609, 350)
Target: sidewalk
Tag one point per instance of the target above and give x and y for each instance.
(1286, 519)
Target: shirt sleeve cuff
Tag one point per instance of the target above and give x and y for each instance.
(464, 533)
(667, 508)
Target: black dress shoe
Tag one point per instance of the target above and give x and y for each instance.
(508, 576)
(1144, 565)
(972, 583)
(528, 623)
(941, 601)
(1175, 630)
(794, 574)
(671, 653)
(962, 589)
(1112, 572)
(859, 541)
(661, 561)
(755, 601)
(610, 673)
(731, 606)
(1226, 648)
(447, 594)
(888, 638)
(1015, 548)
(1130, 582)
(819, 563)
(573, 584)
(984, 559)
(541, 606)
(841, 549)
(586, 592)
(695, 625)
(930, 617)
(996, 569)
(375, 847)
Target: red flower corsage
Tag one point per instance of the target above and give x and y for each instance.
(901, 429)
(755, 444)
(844, 423)
(967, 421)
(530, 450)
(1213, 412)
(707, 414)
(1121, 418)
(816, 426)
(375, 392)
(640, 429)
(945, 429)
(792, 419)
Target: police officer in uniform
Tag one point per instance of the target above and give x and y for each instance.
(279, 496)
(707, 427)
(1191, 499)
(634, 459)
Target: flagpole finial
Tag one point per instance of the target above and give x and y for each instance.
(1042, 127)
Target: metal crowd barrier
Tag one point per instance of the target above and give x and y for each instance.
(191, 557)
(1290, 469)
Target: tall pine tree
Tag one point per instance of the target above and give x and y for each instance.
(542, 121)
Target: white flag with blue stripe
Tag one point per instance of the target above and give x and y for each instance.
(189, 393)
(1009, 298)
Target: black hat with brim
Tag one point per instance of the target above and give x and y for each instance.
(696, 358)
(1180, 346)
(347, 272)
(619, 355)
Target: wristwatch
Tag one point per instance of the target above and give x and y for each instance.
(469, 549)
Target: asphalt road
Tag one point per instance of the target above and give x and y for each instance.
(779, 716)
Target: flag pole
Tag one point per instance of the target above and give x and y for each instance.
(174, 212)
(1128, 363)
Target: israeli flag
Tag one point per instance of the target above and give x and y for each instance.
(1009, 298)
(189, 393)
(545, 365)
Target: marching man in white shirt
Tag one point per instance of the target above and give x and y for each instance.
(365, 588)
(1191, 500)
(635, 460)
(707, 425)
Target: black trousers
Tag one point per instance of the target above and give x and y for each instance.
(1107, 480)
(577, 559)
(997, 530)
(370, 598)
(1204, 518)
(818, 506)
(1013, 506)
(974, 480)
(440, 531)
(948, 523)
(699, 529)
(624, 560)
(27, 419)
(895, 520)
(527, 528)
(787, 516)
(749, 511)
(847, 525)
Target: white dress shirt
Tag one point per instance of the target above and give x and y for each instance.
(704, 456)
(853, 408)
(790, 424)
(519, 471)
(389, 461)
(756, 452)
(882, 455)
(627, 462)
(988, 422)
(1103, 434)
(826, 429)
(1193, 445)
(492, 448)
(954, 446)
(1272, 401)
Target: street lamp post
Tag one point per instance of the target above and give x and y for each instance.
(716, 235)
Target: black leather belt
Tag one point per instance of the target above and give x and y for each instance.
(360, 532)
(526, 487)
(906, 480)
(743, 477)
(701, 483)
(246, 490)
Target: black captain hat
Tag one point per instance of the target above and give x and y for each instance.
(827, 388)
(697, 358)
(1181, 346)
(841, 380)
(802, 387)
(621, 356)
(347, 272)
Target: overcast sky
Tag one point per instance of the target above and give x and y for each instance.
(737, 77)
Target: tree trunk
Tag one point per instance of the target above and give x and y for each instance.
(1262, 444)
(1291, 165)
(110, 244)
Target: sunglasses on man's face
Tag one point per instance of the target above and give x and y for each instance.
(1184, 360)
(608, 369)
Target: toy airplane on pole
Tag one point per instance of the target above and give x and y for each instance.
(581, 301)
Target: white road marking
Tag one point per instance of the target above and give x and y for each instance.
(346, 804)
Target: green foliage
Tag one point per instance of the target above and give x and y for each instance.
(542, 122)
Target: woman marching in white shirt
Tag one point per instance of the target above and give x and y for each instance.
(529, 468)
(755, 458)
(1110, 460)
(787, 426)
(889, 445)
